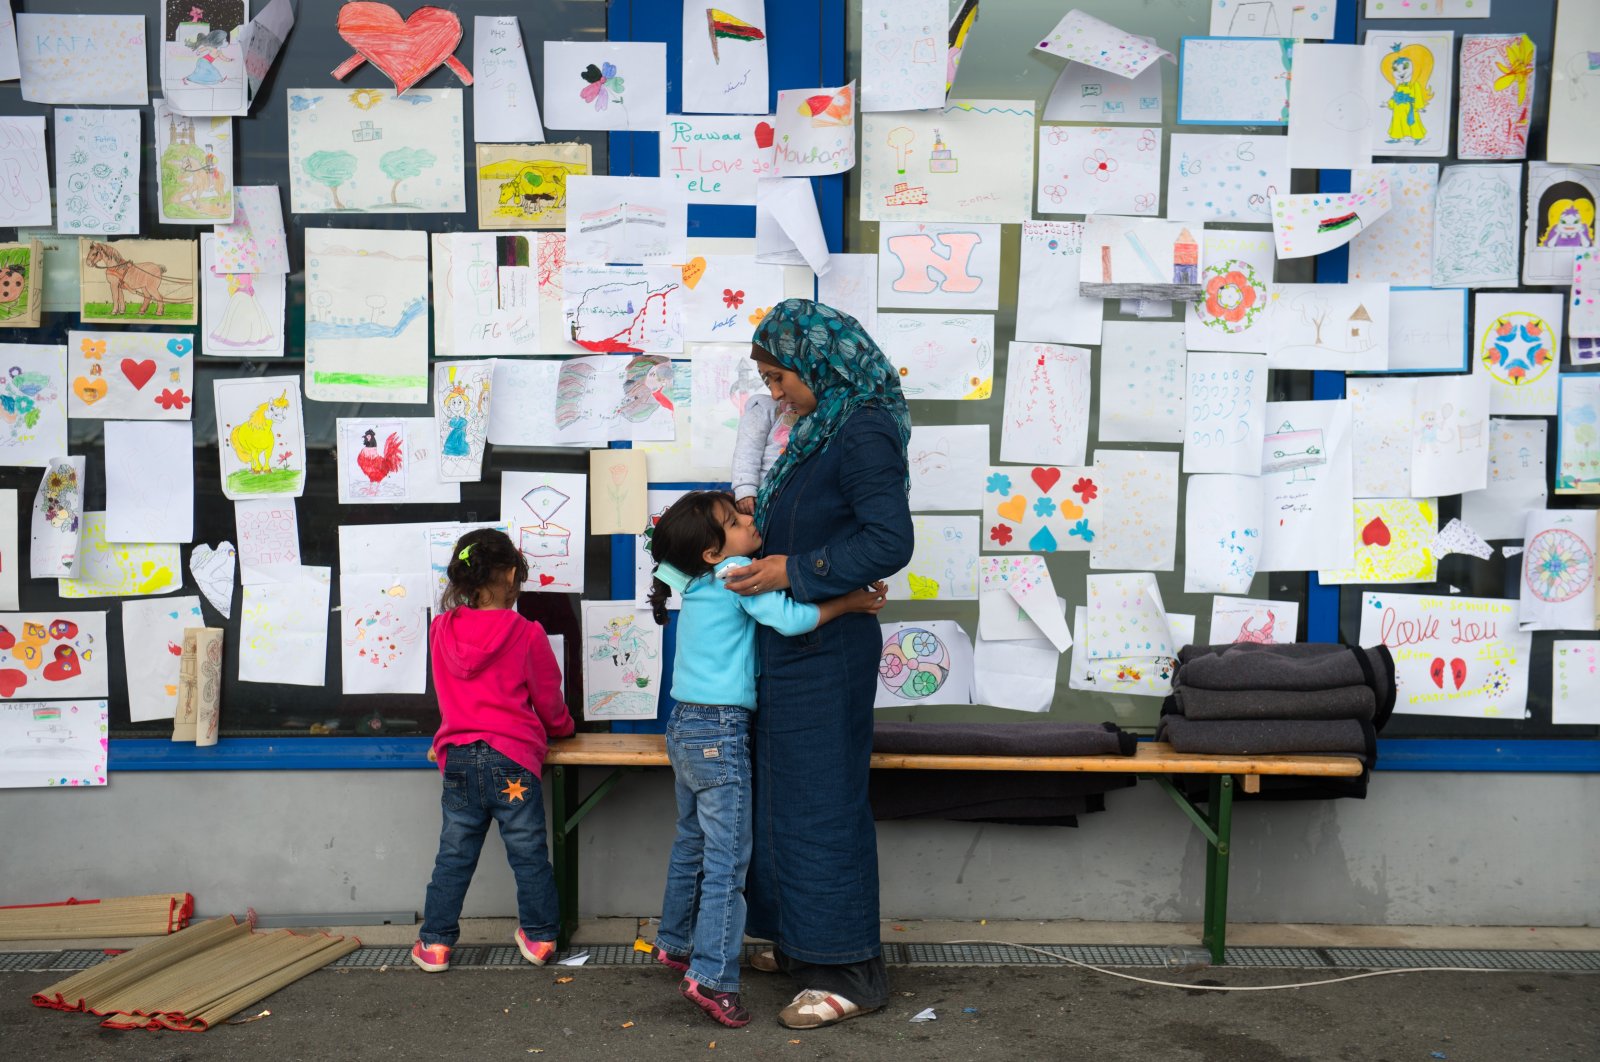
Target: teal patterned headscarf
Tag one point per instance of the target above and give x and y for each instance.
(834, 356)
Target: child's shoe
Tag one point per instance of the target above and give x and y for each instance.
(679, 963)
(722, 1006)
(537, 952)
(434, 958)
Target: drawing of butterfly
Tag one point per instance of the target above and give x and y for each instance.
(1056, 193)
(302, 103)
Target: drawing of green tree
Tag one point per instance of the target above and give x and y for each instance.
(331, 168)
(403, 163)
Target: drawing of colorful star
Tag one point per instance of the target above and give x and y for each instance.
(999, 483)
(168, 399)
(1086, 489)
(1001, 534)
(514, 790)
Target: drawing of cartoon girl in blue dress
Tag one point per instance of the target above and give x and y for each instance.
(207, 48)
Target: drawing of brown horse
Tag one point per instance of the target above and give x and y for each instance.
(141, 279)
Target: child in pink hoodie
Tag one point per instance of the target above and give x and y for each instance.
(499, 704)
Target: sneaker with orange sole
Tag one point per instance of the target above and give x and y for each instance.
(434, 958)
(537, 952)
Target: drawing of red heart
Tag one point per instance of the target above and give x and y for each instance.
(64, 666)
(7, 639)
(1376, 533)
(138, 372)
(1458, 671)
(406, 49)
(763, 134)
(12, 680)
(1436, 671)
(1046, 478)
(546, 580)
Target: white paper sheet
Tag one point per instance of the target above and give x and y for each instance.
(621, 661)
(10, 68)
(130, 375)
(1226, 81)
(1394, 543)
(25, 198)
(625, 219)
(261, 436)
(940, 356)
(1142, 258)
(1049, 308)
(948, 463)
(949, 266)
(1304, 225)
(716, 159)
(254, 242)
(241, 314)
(485, 294)
(283, 629)
(1139, 526)
(944, 561)
(725, 58)
(1222, 533)
(504, 110)
(619, 85)
(1560, 220)
(119, 569)
(1274, 18)
(1042, 509)
(1427, 9)
(971, 161)
(1223, 177)
(1099, 169)
(1017, 602)
(613, 398)
(1240, 619)
(904, 51)
(1516, 479)
(1082, 38)
(623, 309)
(725, 296)
(57, 519)
(82, 58)
(461, 410)
(70, 649)
(1334, 112)
(366, 315)
(1085, 94)
(1519, 348)
(788, 227)
(1428, 330)
(269, 539)
(97, 155)
(34, 429)
(1398, 247)
(1583, 318)
(1577, 458)
(1046, 414)
(1224, 413)
(1476, 224)
(369, 151)
(1310, 522)
(1449, 449)
(1230, 313)
(1136, 676)
(1412, 82)
(548, 514)
(815, 131)
(1456, 656)
(202, 59)
(1383, 415)
(851, 286)
(1125, 618)
(1572, 90)
(1574, 682)
(263, 38)
(10, 555)
(1557, 591)
(62, 743)
(149, 481)
(1141, 382)
(1495, 94)
(523, 412)
(1339, 327)
(924, 662)
(152, 641)
(214, 569)
(399, 465)
(382, 627)
(1019, 675)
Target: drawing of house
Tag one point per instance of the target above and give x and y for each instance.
(1358, 329)
(1185, 259)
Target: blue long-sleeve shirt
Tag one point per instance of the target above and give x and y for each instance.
(716, 657)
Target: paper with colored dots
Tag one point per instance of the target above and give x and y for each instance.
(1085, 39)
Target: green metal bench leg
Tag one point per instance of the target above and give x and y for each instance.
(1219, 812)
(564, 848)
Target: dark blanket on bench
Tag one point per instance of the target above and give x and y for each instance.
(1342, 702)
(1039, 798)
(1299, 667)
(1266, 737)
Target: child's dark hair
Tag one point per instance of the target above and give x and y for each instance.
(690, 526)
(479, 559)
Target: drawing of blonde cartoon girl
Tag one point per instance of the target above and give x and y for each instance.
(456, 407)
(1407, 69)
(1569, 223)
(644, 388)
(207, 48)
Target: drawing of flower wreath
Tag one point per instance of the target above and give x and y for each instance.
(1001, 534)
(601, 82)
(1086, 489)
(1082, 530)
(1099, 165)
(999, 483)
(169, 399)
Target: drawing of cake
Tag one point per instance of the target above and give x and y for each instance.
(1185, 259)
(939, 159)
(905, 195)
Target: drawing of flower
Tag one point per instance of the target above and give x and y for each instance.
(999, 483)
(366, 98)
(169, 399)
(1086, 489)
(890, 665)
(1229, 296)
(1000, 534)
(924, 644)
(1099, 165)
(601, 82)
(1517, 68)
(761, 311)
(283, 458)
(92, 348)
(1044, 507)
(732, 299)
(1056, 193)
(1082, 530)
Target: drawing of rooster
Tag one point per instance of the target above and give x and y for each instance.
(378, 466)
(1263, 635)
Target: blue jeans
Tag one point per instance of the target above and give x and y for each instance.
(702, 913)
(481, 785)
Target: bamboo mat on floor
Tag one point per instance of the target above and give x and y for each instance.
(119, 916)
(195, 979)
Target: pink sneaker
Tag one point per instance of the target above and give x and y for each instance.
(721, 1006)
(679, 963)
(537, 952)
(434, 958)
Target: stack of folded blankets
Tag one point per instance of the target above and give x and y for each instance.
(1262, 699)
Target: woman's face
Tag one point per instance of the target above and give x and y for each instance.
(1402, 71)
(785, 385)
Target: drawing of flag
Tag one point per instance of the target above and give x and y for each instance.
(721, 24)
(46, 715)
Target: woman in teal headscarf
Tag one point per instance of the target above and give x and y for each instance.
(834, 516)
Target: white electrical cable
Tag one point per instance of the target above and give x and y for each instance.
(1231, 988)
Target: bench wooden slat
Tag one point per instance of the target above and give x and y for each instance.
(1152, 757)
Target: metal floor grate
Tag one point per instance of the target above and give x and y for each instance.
(474, 956)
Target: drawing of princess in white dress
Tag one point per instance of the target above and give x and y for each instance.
(243, 324)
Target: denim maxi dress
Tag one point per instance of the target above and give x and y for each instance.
(843, 519)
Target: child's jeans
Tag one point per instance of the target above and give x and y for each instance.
(481, 785)
(702, 913)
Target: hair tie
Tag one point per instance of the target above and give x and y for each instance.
(672, 576)
(465, 555)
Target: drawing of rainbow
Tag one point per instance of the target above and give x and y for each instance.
(46, 715)
(1342, 221)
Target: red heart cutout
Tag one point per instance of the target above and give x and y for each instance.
(64, 666)
(764, 134)
(138, 372)
(1046, 478)
(1376, 533)
(7, 639)
(406, 49)
(546, 580)
(1436, 671)
(12, 680)
(1458, 671)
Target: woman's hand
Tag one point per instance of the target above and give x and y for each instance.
(869, 600)
(759, 576)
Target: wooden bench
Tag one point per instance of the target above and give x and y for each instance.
(1157, 760)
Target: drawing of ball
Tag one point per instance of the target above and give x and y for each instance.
(914, 664)
(1558, 565)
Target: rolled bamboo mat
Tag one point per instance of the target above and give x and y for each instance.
(120, 916)
(195, 979)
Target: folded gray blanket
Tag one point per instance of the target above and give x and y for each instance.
(1296, 666)
(1003, 739)
(1342, 702)
(1264, 737)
